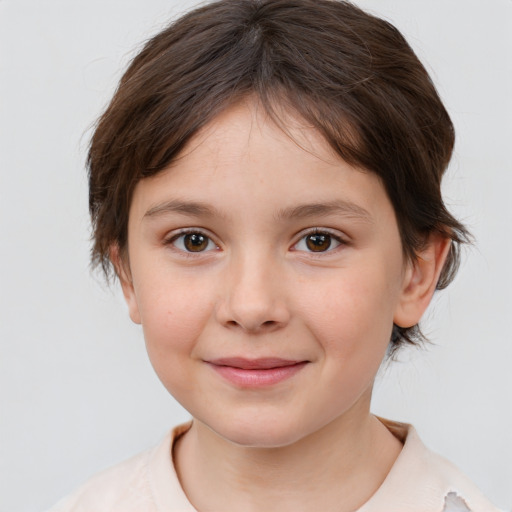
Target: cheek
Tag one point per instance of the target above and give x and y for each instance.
(351, 313)
(173, 311)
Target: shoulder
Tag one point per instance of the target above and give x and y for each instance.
(145, 482)
(121, 487)
(423, 481)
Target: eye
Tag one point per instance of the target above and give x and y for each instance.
(193, 241)
(318, 241)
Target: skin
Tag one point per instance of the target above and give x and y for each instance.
(257, 290)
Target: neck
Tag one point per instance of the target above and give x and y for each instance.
(336, 468)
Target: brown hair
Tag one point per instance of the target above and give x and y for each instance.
(349, 74)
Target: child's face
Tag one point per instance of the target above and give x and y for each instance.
(253, 252)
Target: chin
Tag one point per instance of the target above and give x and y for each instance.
(261, 432)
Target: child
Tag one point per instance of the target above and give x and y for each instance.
(266, 186)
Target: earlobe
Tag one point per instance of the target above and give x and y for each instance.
(122, 269)
(420, 280)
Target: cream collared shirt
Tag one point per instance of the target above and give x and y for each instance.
(419, 481)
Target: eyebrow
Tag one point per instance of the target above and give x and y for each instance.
(336, 207)
(199, 209)
(193, 208)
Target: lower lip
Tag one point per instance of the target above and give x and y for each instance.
(260, 377)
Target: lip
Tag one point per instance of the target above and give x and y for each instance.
(255, 373)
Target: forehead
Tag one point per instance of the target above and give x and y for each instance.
(244, 157)
(245, 128)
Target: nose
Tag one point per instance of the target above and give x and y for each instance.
(254, 297)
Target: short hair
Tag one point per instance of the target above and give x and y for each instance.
(349, 74)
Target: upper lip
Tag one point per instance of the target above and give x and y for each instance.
(263, 363)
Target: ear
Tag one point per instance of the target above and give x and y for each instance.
(420, 280)
(122, 268)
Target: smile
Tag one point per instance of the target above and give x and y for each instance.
(254, 373)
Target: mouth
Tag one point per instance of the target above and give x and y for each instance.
(254, 373)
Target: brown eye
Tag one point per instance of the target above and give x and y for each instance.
(318, 242)
(193, 242)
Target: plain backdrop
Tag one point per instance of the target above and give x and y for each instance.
(77, 391)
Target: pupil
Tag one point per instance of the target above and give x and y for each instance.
(318, 243)
(195, 242)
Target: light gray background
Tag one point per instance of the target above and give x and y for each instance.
(77, 391)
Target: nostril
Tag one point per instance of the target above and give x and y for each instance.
(263, 326)
(252, 314)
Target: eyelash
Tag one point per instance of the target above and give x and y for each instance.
(182, 234)
(209, 241)
(319, 232)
